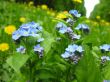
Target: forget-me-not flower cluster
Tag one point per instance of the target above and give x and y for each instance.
(26, 30)
(71, 52)
(105, 48)
(62, 28)
(29, 29)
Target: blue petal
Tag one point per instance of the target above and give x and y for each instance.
(80, 49)
(75, 13)
(16, 35)
(38, 48)
(105, 47)
(65, 55)
(40, 40)
(63, 30)
(21, 49)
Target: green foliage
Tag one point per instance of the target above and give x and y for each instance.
(87, 70)
(48, 38)
(17, 61)
(106, 72)
(102, 10)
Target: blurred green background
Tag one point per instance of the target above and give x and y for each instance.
(102, 10)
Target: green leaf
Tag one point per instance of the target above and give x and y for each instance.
(17, 61)
(92, 38)
(48, 40)
(87, 70)
(44, 74)
(18, 78)
(106, 72)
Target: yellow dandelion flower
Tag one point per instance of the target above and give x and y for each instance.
(44, 7)
(4, 47)
(22, 19)
(77, 1)
(10, 29)
(97, 17)
(62, 15)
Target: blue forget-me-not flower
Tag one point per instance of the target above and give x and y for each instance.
(75, 36)
(39, 50)
(83, 27)
(74, 13)
(70, 21)
(21, 49)
(105, 58)
(105, 47)
(61, 27)
(70, 52)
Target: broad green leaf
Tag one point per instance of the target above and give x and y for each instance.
(17, 61)
(87, 70)
(48, 40)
